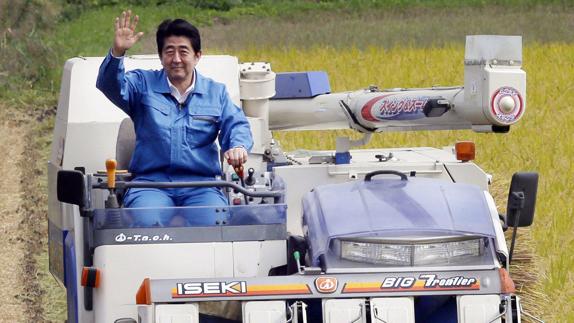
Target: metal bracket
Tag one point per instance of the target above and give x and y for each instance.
(294, 312)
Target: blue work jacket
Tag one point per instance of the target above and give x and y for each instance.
(174, 142)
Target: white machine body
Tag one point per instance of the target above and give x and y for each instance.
(492, 98)
(124, 267)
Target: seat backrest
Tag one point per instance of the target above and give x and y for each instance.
(125, 143)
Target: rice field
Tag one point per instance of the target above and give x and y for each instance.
(541, 141)
(413, 49)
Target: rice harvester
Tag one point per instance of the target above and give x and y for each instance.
(351, 235)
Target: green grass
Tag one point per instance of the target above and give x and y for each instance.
(36, 37)
(343, 24)
(419, 27)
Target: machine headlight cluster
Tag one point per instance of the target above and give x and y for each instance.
(397, 254)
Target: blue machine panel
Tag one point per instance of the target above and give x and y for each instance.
(70, 278)
(56, 250)
(301, 85)
(191, 216)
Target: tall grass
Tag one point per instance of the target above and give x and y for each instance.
(296, 25)
(389, 27)
(541, 141)
(24, 56)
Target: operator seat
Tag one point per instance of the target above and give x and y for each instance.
(125, 143)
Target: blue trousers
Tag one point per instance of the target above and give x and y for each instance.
(158, 204)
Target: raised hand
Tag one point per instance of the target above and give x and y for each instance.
(125, 36)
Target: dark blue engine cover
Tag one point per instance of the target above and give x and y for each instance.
(394, 208)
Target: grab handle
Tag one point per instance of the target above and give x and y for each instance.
(385, 172)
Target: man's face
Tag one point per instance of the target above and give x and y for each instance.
(179, 59)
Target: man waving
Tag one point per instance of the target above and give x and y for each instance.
(177, 114)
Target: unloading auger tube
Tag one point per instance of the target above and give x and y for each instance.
(492, 99)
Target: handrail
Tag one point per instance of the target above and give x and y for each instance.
(124, 185)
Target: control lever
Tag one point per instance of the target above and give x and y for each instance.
(112, 200)
(239, 171)
(250, 180)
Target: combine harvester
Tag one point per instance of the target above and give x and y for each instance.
(380, 235)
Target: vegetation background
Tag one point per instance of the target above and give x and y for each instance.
(395, 43)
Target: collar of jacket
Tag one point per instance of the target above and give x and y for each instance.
(161, 86)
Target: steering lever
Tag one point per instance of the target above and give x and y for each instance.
(112, 200)
(239, 171)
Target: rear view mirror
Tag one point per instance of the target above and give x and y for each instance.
(71, 187)
(522, 199)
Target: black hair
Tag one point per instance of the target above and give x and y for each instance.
(177, 27)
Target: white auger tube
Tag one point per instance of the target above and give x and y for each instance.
(493, 98)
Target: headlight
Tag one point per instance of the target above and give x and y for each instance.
(412, 254)
(377, 253)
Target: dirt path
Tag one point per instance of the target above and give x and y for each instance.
(21, 221)
(12, 248)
